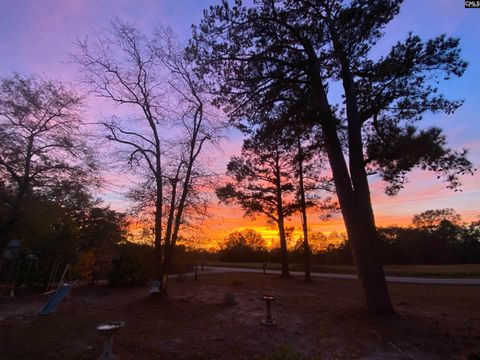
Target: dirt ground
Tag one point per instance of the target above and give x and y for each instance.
(321, 320)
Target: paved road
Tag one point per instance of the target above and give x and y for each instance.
(397, 279)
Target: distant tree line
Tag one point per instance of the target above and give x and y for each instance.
(434, 237)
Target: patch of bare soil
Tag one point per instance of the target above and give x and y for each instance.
(321, 320)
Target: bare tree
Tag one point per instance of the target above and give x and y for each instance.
(169, 131)
(198, 127)
(42, 143)
(122, 67)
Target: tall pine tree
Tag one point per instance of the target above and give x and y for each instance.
(286, 54)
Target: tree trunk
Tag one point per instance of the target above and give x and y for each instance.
(283, 246)
(280, 218)
(167, 242)
(364, 241)
(360, 224)
(303, 209)
(158, 273)
(364, 238)
(176, 220)
(165, 271)
(353, 195)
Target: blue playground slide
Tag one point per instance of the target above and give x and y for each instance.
(56, 299)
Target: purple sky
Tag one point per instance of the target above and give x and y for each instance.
(36, 36)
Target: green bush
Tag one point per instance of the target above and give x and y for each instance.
(132, 265)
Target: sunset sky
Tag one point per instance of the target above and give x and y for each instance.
(36, 36)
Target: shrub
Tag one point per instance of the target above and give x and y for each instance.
(243, 253)
(132, 265)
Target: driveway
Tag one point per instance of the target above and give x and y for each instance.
(396, 279)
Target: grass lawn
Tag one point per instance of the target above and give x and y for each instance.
(453, 271)
(320, 320)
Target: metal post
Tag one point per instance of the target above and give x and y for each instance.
(269, 321)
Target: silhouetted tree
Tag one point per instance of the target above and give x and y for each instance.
(245, 245)
(164, 141)
(247, 237)
(471, 243)
(42, 143)
(432, 219)
(300, 160)
(309, 163)
(262, 183)
(438, 233)
(121, 67)
(283, 55)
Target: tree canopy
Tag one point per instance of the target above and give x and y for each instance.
(431, 219)
(281, 57)
(43, 143)
(41, 133)
(263, 59)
